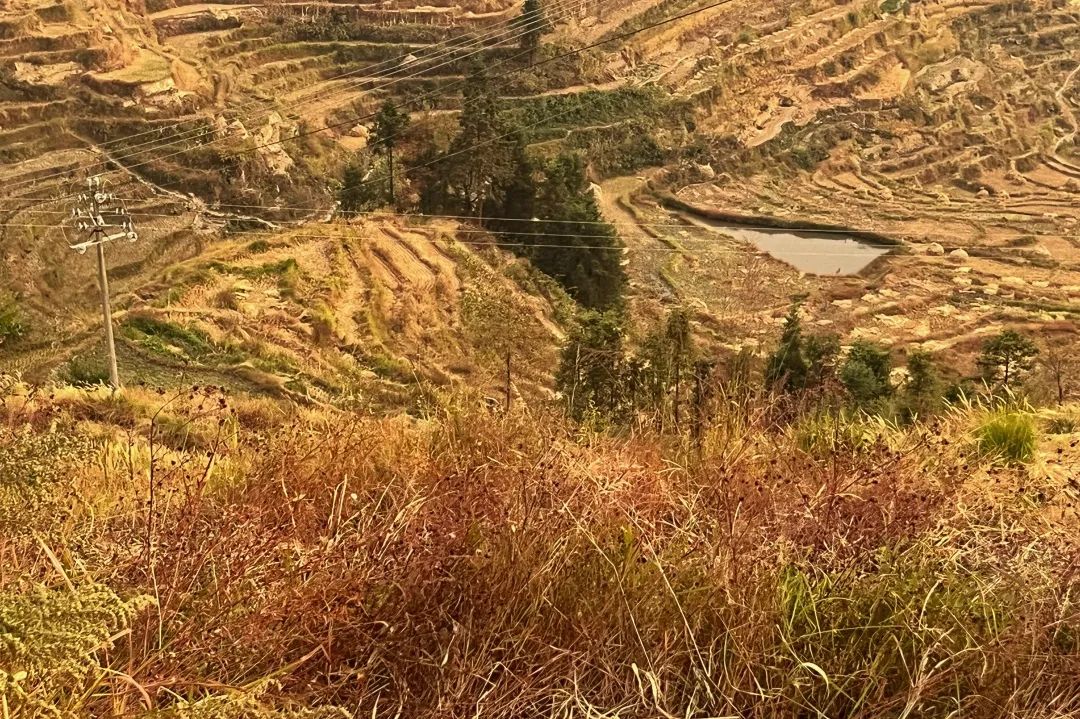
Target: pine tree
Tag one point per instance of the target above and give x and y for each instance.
(820, 353)
(786, 367)
(358, 190)
(532, 23)
(479, 152)
(517, 197)
(386, 131)
(574, 244)
(1006, 358)
(922, 390)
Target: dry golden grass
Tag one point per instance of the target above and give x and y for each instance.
(474, 564)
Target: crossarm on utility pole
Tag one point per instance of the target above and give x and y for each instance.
(92, 218)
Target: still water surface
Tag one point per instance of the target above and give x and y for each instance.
(815, 253)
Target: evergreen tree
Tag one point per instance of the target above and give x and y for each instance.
(865, 373)
(386, 131)
(1006, 358)
(589, 377)
(517, 197)
(573, 244)
(532, 23)
(801, 362)
(820, 353)
(786, 367)
(480, 154)
(358, 190)
(665, 361)
(922, 391)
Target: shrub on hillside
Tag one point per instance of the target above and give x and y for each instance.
(865, 372)
(1006, 359)
(12, 326)
(86, 371)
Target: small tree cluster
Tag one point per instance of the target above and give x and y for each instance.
(801, 362)
(544, 210)
(598, 375)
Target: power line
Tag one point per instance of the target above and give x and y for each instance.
(510, 233)
(199, 133)
(851, 233)
(568, 53)
(530, 66)
(631, 224)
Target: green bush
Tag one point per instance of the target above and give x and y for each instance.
(1007, 435)
(592, 107)
(620, 149)
(865, 373)
(345, 24)
(12, 327)
(1062, 424)
(827, 433)
(32, 468)
(86, 371)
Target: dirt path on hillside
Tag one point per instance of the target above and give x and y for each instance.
(1070, 115)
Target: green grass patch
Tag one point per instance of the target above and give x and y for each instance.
(286, 271)
(387, 366)
(1062, 424)
(826, 434)
(173, 340)
(86, 371)
(1007, 435)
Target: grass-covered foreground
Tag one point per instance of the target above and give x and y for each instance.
(199, 555)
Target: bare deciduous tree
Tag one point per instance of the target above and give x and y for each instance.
(1058, 359)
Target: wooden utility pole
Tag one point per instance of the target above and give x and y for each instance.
(97, 214)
